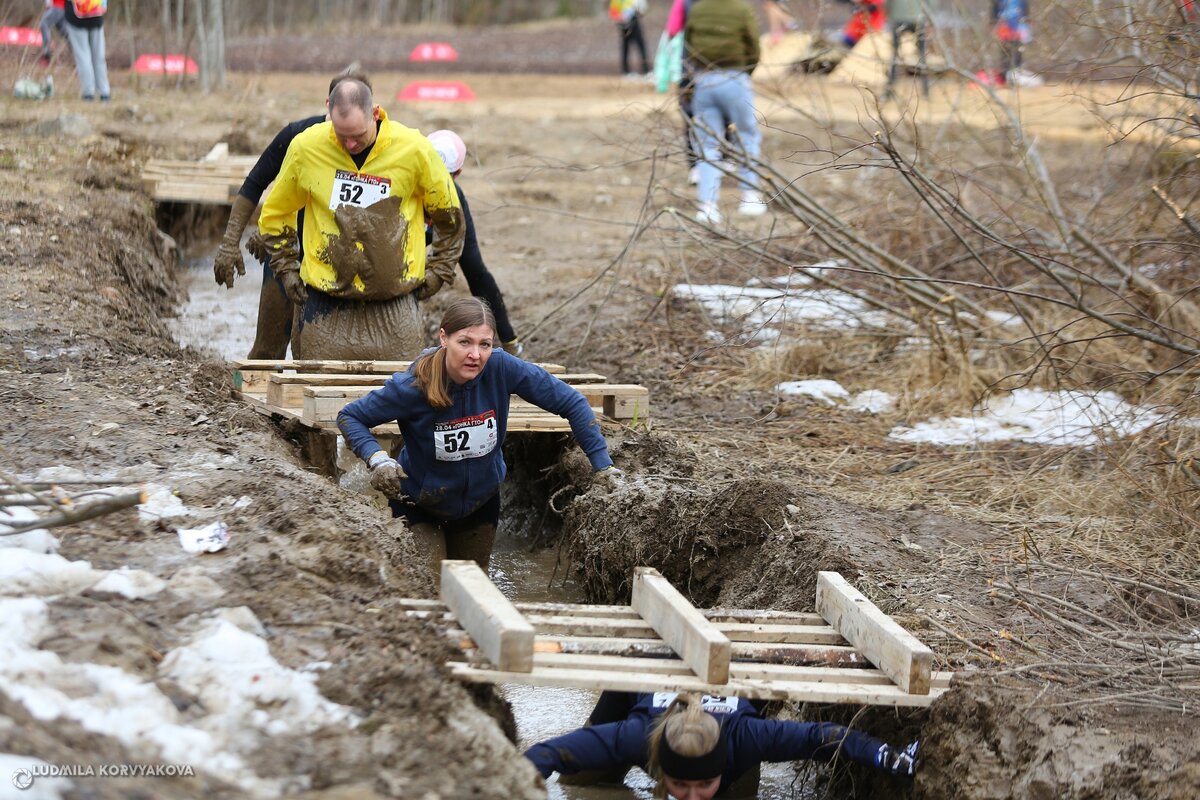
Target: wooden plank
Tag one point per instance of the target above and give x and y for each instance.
(190, 192)
(739, 670)
(734, 631)
(801, 691)
(287, 389)
(625, 612)
(888, 646)
(303, 365)
(626, 628)
(503, 635)
(830, 655)
(697, 641)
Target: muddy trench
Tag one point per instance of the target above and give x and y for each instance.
(539, 555)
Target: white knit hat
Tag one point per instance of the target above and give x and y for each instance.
(450, 147)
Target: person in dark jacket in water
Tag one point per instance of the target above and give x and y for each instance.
(452, 409)
(695, 747)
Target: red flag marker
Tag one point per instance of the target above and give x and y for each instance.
(171, 64)
(447, 91)
(21, 36)
(433, 51)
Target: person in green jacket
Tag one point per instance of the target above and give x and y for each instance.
(907, 16)
(721, 41)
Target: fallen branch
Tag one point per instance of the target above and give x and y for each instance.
(78, 514)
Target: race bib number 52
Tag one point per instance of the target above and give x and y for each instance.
(357, 189)
(469, 437)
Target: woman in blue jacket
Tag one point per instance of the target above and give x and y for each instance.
(452, 409)
(696, 746)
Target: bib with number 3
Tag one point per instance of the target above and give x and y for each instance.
(468, 437)
(357, 189)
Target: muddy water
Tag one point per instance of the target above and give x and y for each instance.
(222, 321)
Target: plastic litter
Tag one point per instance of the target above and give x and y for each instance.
(209, 539)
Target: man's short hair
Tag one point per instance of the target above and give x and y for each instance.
(349, 94)
(349, 75)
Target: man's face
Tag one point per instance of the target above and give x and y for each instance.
(355, 130)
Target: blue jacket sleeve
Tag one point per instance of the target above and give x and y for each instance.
(616, 744)
(756, 740)
(385, 404)
(269, 163)
(531, 382)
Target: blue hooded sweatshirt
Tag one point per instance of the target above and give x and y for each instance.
(749, 740)
(453, 456)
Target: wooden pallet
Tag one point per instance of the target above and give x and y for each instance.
(314, 392)
(848, 652)
(215, 180)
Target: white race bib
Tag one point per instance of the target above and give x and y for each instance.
(357, 189)
(713, 704)
(469, 437)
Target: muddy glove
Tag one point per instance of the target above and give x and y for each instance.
(294, 288)
(229, 254)
(513, 347)
(898, 762)
(609, 478)
(386, 474)
(285, 263)
(432, 285)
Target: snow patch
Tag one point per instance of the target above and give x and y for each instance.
(246, 693)
(161, 503)
(1036, 416)
(24, 572)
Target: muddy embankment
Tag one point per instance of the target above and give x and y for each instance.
(92, 380)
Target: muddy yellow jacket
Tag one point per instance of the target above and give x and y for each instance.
(364, 229)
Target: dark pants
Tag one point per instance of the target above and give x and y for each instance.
(274, 329)
(1010, 57)
(918, 31)
(631, 34)
(480, 283)
(468, 539)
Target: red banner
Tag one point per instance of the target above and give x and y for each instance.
(433, 51)
(446, 91)
(170, 65)
(21, 36)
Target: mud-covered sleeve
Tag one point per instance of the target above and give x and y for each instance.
(531, 382)
(379, 407)
(271, 161)
(444, 213)
(756, 740)
(616, 744)
(285, 198)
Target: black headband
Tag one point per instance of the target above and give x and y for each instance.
(692, 768)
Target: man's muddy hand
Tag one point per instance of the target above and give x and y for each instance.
(228, 259)
(293, 287)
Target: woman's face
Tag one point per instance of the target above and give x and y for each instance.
(692, 790)
(467, 350)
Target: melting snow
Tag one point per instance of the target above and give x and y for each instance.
(1036, 416)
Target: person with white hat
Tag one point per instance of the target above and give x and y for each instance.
(480, 282)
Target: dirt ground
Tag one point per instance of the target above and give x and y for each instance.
(561, 170)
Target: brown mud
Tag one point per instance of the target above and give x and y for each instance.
(84, 347)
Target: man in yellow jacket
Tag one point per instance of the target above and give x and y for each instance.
(366, 186)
